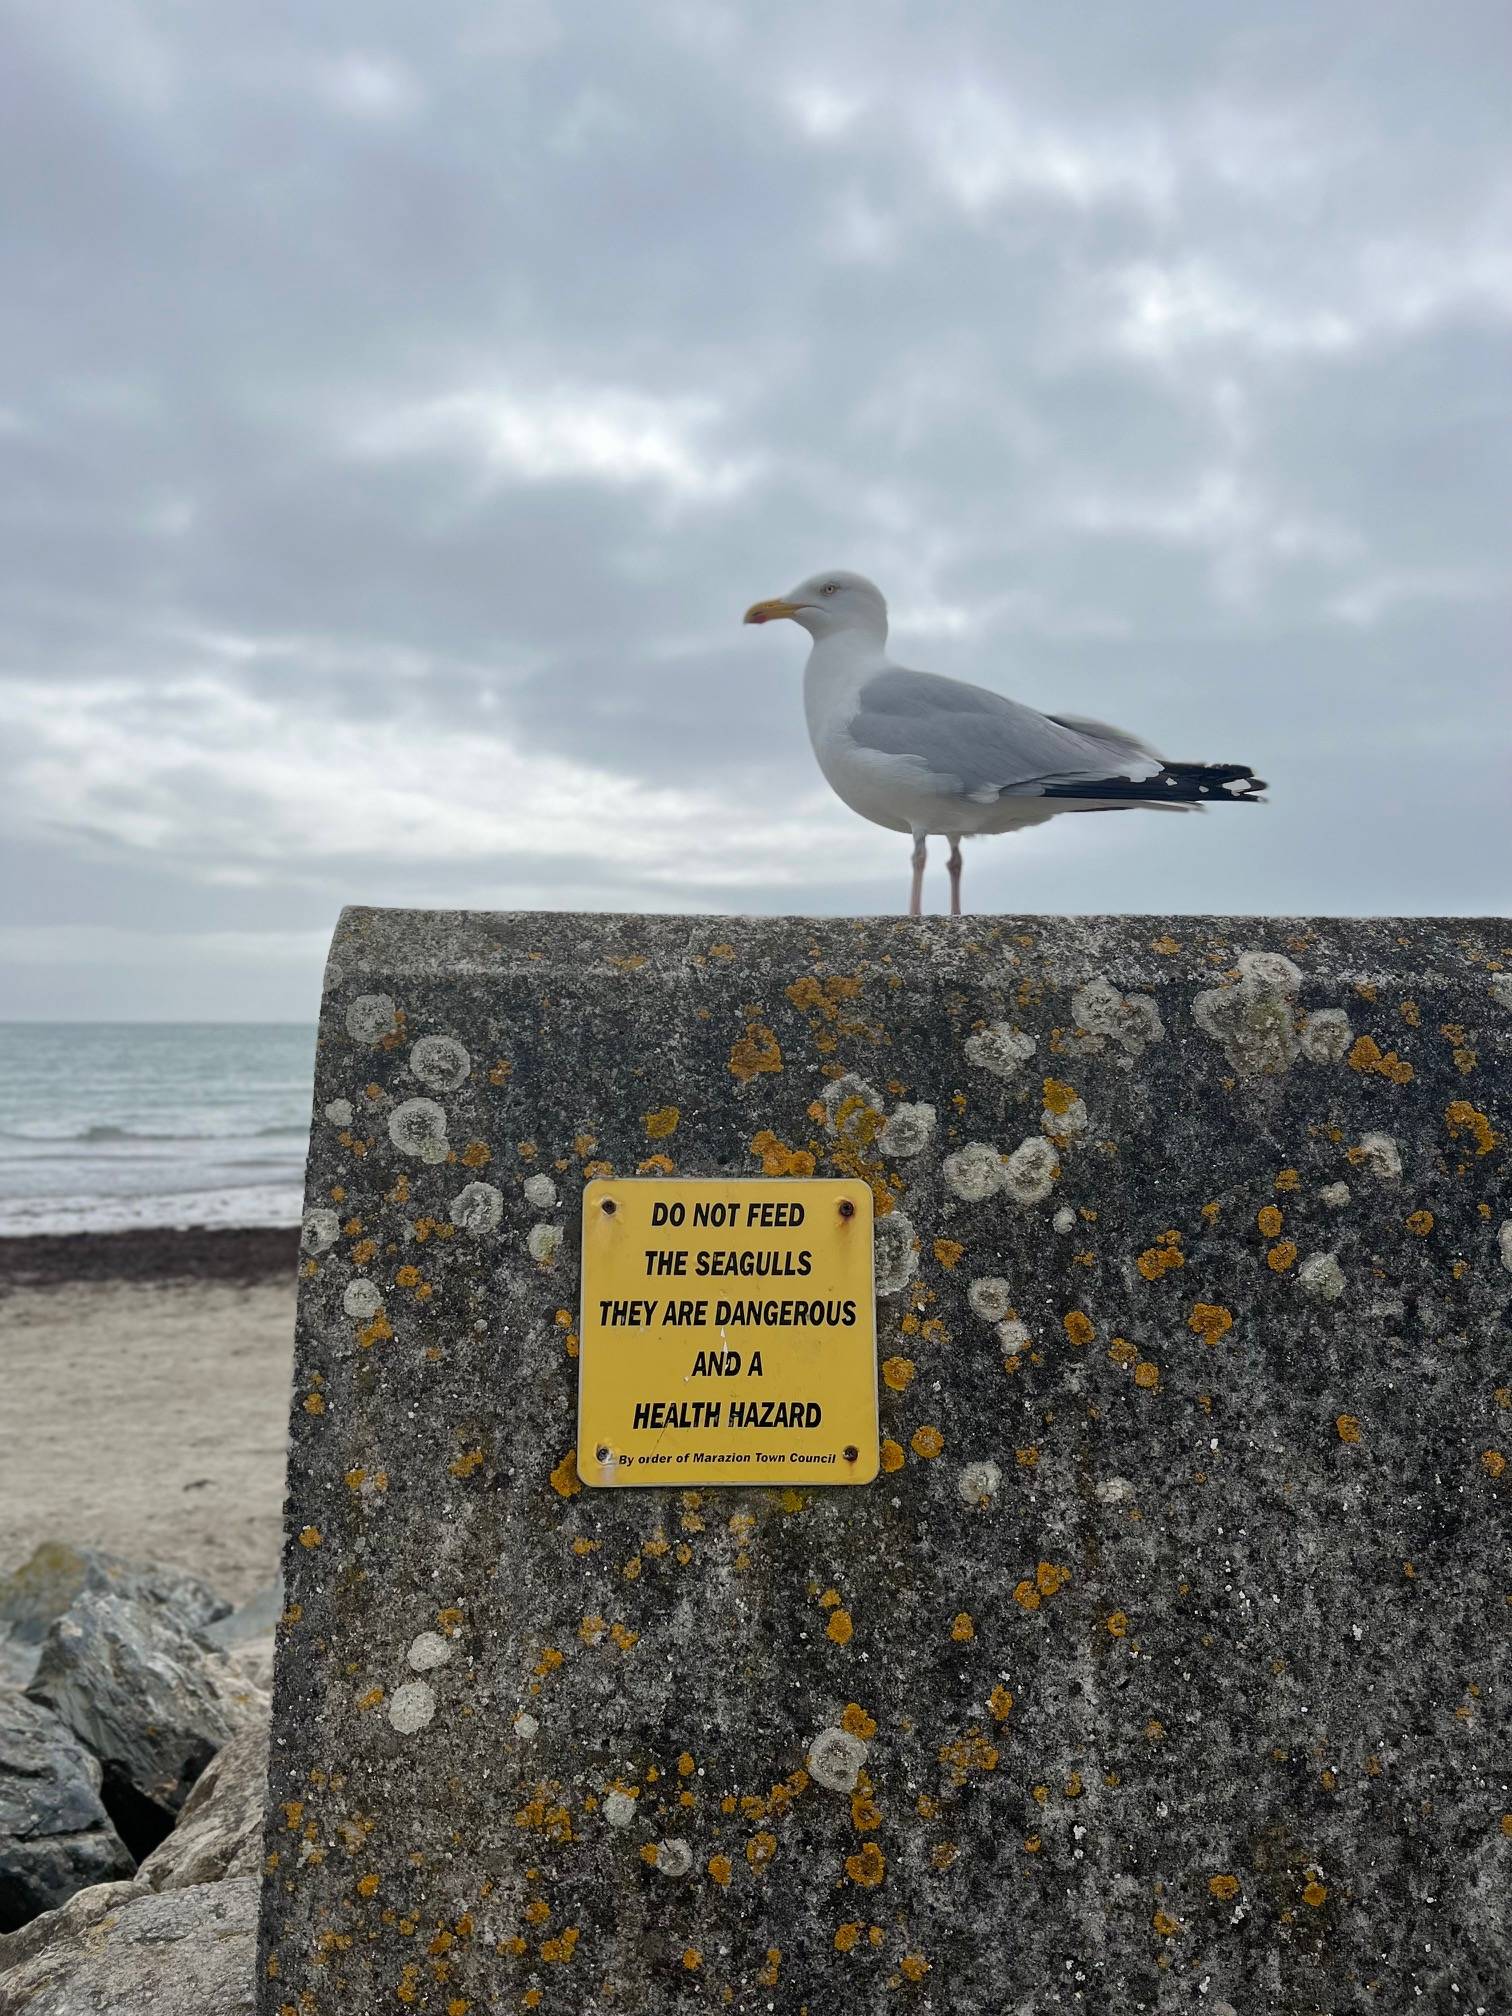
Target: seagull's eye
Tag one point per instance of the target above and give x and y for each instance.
(830, 588)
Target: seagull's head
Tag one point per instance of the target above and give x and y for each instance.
(826, 603)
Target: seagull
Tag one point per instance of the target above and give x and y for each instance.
(921, 754)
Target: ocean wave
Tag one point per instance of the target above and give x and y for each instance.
(45, 1134)
(257, 1205)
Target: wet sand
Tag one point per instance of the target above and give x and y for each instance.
(145, 1380)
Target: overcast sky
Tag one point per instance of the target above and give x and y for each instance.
(399, 405)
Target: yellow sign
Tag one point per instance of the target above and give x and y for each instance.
(728, 1333)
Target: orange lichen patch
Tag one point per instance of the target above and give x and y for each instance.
(1348, 1427)
(686, 1765)
(1122, 1352)
(1027, 1459)
(592, 1169)
(1224, 1888)
(721, 1869)
(655, 1165)
(760, 1849)
(564, 1479)
(363, 1252)
(962, 1627)
(855, 1721)
(1048, 1578)
(778, 1159)
(1147, 1374)
(1118, 1624)
(768, 1975)
(375, 1332)
(313, 1404)
(1059, 1098)
(1315, 1895)
(913, 1966)
(476, 1155)
(1288, 1179)
(662, 1122)
(847, 1936)
(948, 1252)
(1167, 947)
(1078, 1327)
(1158, 1260)
(465, 1464)
(367, 1886)
(311, 1537)
(1366, 1055)
(501, 1072)
(1210, 1320)
(866, 1814)
(965, 1754)
(692, 1959)
(892, 1455)
(1493, 1462)
(1506, 1825)
(839, 1629)
(1463, 1118)
(558, 1950)
(369, 1700)
(898, 1373)
(867, 1866)
(1165, 1924)
(1268, 1218)
(1026, 1595)
(1000, 1703)
(623, 1636)
(755, 1052)
(926, 1442)
(1282, 1256)
(1420, 1222)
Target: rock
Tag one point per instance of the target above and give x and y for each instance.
(18, 1659)
(256, 1618)
(41, 1589)
(220, 1826)
(151, 1701)
(121, 1950)
(55, 1836)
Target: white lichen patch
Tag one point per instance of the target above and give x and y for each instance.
(319, 1230)
(370, 1018)
(999, 1048)
(1504, 1244)
(1064, 1220)
(362, 1300)
(339, 1112)
(428, 1651)
(1326, 1036)
(1501, 989)
(974, 1172)
(1255, 1017)
(979, 1483)
(1113, 1490)
(477, 1208)
(908, 1132)
(618, 1808)
(526, 1727)
(835, 1758)
(1321, 1276)
(1380, 1155)
(543, 1243)
(1030, 1171)
(990, 1297)
(541, 1193)
(1104, 1016)
(440, 1062)
(1334, 1195)
(411, 1707)
(1013, 1335)
(895, 1252)
(1060, 1126)
(418, 1127)
(673, 1857)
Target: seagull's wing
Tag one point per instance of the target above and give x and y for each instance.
(983, 746)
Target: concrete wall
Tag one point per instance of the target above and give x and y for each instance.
(1167, 1655)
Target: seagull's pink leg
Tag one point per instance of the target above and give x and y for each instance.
(954, 865)
(920, 856)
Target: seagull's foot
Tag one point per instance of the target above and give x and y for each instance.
(916, 894)
(953, 864)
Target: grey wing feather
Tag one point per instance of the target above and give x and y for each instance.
(982, 744)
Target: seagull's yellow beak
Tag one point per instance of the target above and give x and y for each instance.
(768, 612)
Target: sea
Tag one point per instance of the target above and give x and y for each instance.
(109, 1126)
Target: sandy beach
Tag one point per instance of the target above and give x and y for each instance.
(146, 1392)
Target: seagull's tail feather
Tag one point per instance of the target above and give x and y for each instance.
(1174, 784)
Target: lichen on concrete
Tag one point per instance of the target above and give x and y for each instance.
(1160, 1667)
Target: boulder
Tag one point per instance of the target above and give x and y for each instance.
(256, 1618)
(55, 1835)
(43, 1588)
(122, 1949)
(220, 1826)
(152, 1701)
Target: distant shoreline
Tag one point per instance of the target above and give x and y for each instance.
(245, 1254)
